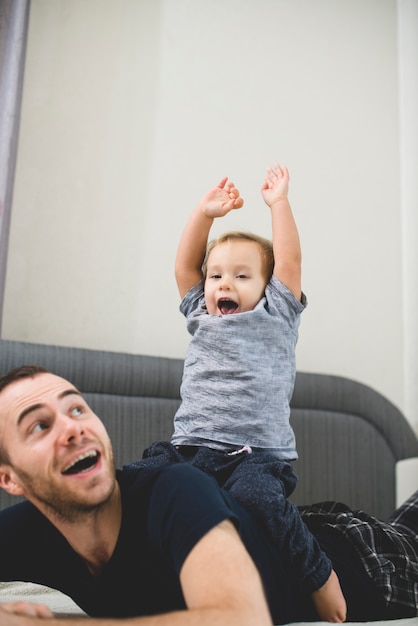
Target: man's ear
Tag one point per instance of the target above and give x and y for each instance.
(8, 481)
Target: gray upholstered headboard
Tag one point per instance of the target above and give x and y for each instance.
(349, 437)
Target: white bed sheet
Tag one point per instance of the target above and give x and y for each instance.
(61, 604)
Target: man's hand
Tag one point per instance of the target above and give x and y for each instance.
(10, 612)
(221, 199)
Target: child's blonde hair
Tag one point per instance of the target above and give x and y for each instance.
(265, 245)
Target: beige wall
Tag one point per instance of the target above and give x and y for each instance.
(133, 109)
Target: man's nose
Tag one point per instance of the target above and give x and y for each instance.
(70, 429)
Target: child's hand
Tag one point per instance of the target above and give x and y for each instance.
(275, 186)
(221, 199)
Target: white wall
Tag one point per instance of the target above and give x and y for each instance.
(408, 115)
(133, 109)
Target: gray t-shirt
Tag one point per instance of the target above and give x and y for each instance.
(239, 374)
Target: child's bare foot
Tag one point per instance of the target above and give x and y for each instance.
(329, 601)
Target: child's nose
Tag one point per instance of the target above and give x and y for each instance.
(224, 284)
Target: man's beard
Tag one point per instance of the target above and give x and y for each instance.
(62, 505)
(69, 509)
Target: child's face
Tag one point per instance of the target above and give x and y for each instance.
(235, 278)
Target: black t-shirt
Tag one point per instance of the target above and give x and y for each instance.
(165, 512)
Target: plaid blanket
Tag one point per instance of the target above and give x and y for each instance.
(388, 550)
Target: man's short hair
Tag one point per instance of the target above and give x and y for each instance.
(18, 373)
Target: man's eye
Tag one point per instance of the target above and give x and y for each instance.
(39, 427)
(76, 411)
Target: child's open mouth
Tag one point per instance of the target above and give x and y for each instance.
(227, 307)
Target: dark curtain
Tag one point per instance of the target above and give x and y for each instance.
(14, 17)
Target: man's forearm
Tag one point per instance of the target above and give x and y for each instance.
(196, 617)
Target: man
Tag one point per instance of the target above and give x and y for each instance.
(144, 543)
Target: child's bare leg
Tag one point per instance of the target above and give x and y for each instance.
(329, 601)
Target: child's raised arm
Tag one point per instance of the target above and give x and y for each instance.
(286, 244)
(192, 246)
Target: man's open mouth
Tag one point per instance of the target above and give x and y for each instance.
(226, 307)
(82, 463)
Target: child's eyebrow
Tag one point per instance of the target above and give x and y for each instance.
(40, 405)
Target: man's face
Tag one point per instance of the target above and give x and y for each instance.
(60, 454)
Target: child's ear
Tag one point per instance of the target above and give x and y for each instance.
(8, 482)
